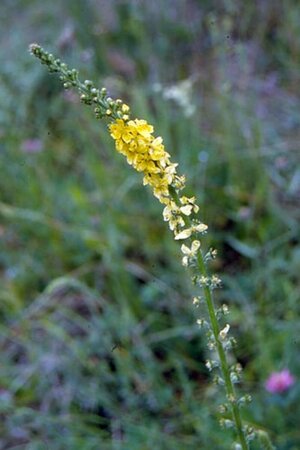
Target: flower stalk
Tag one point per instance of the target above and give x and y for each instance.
(146, 153)
(217, 335)
(230, 391)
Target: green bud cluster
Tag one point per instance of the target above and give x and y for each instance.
(104, 106)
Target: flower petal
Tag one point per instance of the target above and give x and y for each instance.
(184, 234)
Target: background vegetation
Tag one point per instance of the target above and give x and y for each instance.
(98, 344)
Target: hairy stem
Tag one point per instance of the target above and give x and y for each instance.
(230, 391)
(229, 387)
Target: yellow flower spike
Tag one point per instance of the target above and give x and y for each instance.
(145, 153)
(134, 139)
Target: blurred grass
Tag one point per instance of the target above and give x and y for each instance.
(98, 344)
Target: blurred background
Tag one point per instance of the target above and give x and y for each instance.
(99, 347)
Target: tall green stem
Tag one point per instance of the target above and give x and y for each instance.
(230, 391)
(229, 387)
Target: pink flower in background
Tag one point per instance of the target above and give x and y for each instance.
(279, 381)
(32, 146)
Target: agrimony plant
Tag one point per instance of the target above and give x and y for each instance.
(146, 153)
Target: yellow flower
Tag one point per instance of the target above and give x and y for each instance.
(185, 234)
(117, 129)
(125, 108)
(189, 253)
(171, 214)
(189, 205)
(145, 153)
